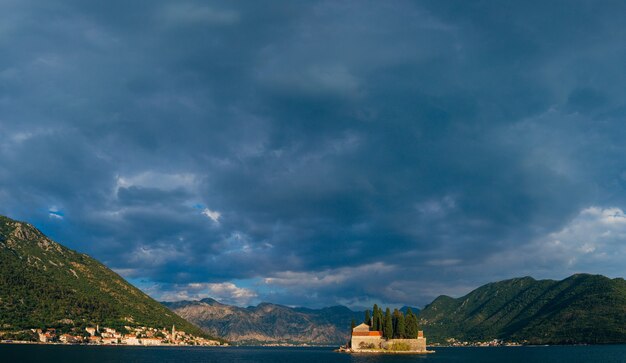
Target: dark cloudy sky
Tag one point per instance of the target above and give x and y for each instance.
(319, 153)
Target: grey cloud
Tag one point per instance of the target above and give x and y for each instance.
(427, 137)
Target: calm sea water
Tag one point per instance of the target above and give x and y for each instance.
(54, 354)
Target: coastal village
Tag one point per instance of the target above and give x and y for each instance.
(452, 342)
(140, 336)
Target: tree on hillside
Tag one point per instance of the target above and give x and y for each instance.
(388, 326)
(411, 324)
(367, 318)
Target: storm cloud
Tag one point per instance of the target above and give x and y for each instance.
(318, 153)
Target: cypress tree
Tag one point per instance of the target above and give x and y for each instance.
(394, 321)
(367, 317)
(411, 324)
(380, 319)
(352, 324)
(401, 327)
(388, 327)
(375, 322)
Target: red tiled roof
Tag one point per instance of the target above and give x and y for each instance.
(367, 334)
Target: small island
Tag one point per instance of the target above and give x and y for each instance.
(392, 333)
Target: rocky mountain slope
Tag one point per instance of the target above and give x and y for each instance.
(580, 309)
(269, 323)
(44, 284)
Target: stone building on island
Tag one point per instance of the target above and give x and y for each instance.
(364, 340)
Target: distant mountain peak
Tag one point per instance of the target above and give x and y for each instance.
(210, 301)
(404, 309)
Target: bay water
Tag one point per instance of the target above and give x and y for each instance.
(17, 353)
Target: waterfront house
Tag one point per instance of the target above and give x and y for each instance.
(46, 337)
(130, 340)
(68, 339)
(109, 340)
(151, 341)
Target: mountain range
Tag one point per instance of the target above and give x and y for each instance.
(46, 285)
(269, 323)
(580, 309)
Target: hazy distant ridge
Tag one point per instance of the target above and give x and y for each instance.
(269, 323)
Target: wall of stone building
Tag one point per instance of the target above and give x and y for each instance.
(356, 341)
(361, 328)
(418, 344)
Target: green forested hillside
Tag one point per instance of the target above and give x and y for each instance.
(580, 309)
(43, 284)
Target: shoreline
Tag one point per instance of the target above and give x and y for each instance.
(387, 352)
(24, 342)
(348, 351)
